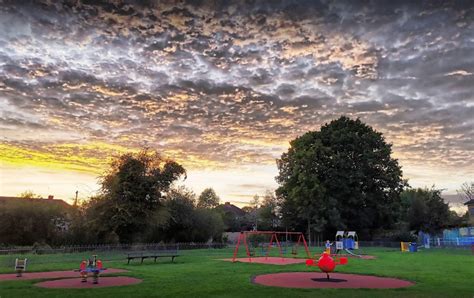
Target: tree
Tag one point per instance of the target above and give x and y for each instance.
(24, 222)
(132, 191)
(208, 199)
(253, 213)
(180, 204)
(255, 202)
(425, 210)
(269, 212)
(339, 177)
(182, 221)
(467, 191)
(29, 195)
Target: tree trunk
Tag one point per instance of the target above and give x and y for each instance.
(309, 233)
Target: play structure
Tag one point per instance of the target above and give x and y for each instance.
(92, 266)
(326, 263)
(261, 242)
(20, 266)
(347, 241)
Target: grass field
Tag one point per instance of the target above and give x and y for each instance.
(200, 273)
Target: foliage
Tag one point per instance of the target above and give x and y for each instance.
(132, 191)
(269, 218)
(182, 221)
(255, 202)
(467, 191)
(28, 194)
(24, 222)
(208, 199)
(425, 210)
(339, 177)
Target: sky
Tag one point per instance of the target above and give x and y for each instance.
(223, 86)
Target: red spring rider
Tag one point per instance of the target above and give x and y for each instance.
(327, 264)
(93, 266)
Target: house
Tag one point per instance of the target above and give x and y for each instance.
(51, 201)
(470, 208)
(236, 211)
(234, 217)
(61, 222)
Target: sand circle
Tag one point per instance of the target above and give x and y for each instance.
(337, 280)
(75, 283)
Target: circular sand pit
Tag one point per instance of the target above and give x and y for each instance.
(77, 284)
(337, 280)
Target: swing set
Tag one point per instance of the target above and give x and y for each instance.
(273, 242)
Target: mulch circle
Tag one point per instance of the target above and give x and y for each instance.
(337, 280)
(269, 260)
(52, 274)
(285, 261)
(75, 283)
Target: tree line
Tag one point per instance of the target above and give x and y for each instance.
(340, 177)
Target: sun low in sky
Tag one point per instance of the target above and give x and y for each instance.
(222, 87)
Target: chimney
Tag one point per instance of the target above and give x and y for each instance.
(227, 203)
(50, 197)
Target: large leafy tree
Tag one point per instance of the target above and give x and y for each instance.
(185, 222)
(131, 194)
(341, 177)
(208, 199)
(425, 210)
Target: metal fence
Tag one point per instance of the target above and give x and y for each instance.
(466, 243)
(111, 248)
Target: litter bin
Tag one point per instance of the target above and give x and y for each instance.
(413, 247)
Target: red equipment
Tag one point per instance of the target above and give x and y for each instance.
(274, 237)
(327, 264)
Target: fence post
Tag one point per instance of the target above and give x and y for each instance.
(439, 242)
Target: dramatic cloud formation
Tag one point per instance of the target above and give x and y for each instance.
(223, 87)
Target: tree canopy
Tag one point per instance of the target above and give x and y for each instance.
(131, 192)
(341, 177)
(425, 210)
(467, 191)
(208, 199)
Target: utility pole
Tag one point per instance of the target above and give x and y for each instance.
(75, 200)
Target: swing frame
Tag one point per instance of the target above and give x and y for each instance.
(274, 237)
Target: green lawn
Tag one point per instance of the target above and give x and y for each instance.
(199, 273)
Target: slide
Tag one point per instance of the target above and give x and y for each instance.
(351, 253)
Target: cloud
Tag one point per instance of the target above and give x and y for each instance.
(221, 85)
(459, 73)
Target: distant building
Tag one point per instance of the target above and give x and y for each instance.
(50, 200)
(470, 208)
(236, 211)
(61, 223)
(234, 218)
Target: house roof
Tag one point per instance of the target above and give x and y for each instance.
(470, 202)
(56, 202)
(228, 207)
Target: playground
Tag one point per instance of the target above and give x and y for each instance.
(202, 272)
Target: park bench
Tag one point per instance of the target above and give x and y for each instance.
(152, 254)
